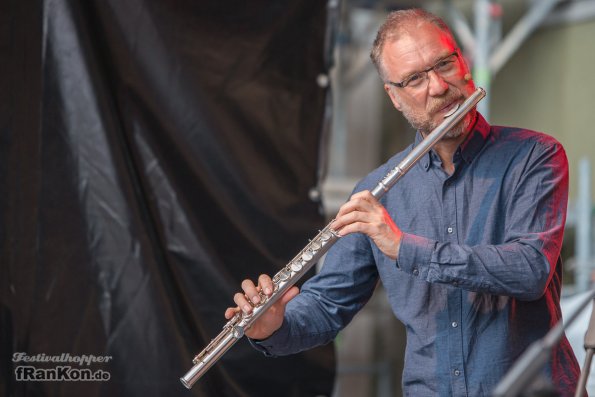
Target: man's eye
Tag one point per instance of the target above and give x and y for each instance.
(415, 79)
(443, 65)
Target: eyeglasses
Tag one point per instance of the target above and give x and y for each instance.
(445, 67)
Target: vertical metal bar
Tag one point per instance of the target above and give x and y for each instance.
(481, 69)
(582, 381)
(583, 227)
(461, 28)
(384, 385)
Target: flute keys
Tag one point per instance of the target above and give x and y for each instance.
(297, 266)
(237, 332)
(307, 256)
(315, 245)
(282, 275)
(263, 298)
(325, 237)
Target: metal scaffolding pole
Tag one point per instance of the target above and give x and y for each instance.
(521, 31)
(478, 45)
(462, 29)
(481, 68)
(583, 268)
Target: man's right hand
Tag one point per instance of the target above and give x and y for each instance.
(270, 320)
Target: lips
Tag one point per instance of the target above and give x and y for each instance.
(451, 109)
(445, 106)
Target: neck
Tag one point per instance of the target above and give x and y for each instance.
(446, 148)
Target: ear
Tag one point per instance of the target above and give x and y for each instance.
(391, 94)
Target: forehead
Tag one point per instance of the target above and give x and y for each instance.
(415, 48)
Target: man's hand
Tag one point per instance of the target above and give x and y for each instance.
(270, 320)
(364, 214)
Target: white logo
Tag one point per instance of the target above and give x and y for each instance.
(61, 372)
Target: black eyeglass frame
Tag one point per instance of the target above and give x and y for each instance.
(403, 83)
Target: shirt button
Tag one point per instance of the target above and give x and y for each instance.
(454, 324)
(450, 230)
(415, 272)
(457, 372)
(455, 283)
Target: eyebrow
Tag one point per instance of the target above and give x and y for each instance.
(433, 64)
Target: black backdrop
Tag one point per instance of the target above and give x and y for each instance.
(152, 155)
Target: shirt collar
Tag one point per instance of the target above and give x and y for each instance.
(425, 161)
(476, 139)
(469, 148)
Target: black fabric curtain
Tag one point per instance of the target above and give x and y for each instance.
(153, 154)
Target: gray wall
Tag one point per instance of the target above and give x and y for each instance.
(549, 86)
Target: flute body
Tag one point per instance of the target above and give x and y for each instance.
(234, 329)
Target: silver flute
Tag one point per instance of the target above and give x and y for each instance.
(313, 252)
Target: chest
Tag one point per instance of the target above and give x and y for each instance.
(468, 207)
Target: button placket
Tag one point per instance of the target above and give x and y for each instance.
(449, 201)
(453, 323)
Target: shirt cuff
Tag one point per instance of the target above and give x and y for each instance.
(415, 254)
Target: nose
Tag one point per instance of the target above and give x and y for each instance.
(436, 84)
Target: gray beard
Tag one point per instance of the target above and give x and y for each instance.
(422, 122)
(425, 125)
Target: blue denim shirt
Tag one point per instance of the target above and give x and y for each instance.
(478, 275)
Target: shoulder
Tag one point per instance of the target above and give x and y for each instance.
(529, 144)
(524, 137)
(526, 149)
